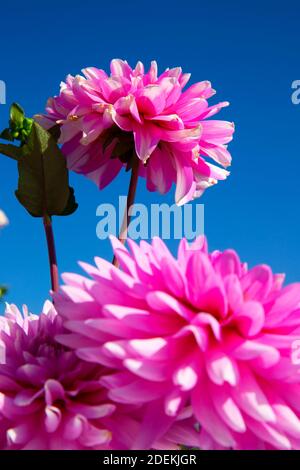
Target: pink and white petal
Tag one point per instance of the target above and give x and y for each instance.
(146, 138)
(151, 100)
(198, 90)
(227, 409)
(250, 397)
(208, 418)
(160, 171)
(217, 132)
(250, 318)
(120, 68)
(185, 184)
(212, 110)
(221, 368)
(218, 153)
(92, 127)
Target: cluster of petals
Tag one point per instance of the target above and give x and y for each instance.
(199, 332)
(108, 121)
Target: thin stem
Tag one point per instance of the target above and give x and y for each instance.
(51, 253)
(129, 203)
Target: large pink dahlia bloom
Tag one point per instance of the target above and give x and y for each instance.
(108, 121)
(51, 399)
(201, 330)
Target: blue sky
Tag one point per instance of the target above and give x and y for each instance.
(250, 52)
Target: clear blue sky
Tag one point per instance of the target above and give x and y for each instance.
(250, 52)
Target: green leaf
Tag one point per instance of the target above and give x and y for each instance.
(17, 115)
(72, 205)
(11, 151)
(43, 186)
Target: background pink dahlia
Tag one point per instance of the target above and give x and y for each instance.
(108, 121)
(51, 399)
(201, 330)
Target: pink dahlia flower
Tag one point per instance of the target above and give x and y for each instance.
(51, 399)
(200, 330)
(108, 121)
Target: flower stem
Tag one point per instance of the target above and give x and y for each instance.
(51, 252)
(129, 203)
